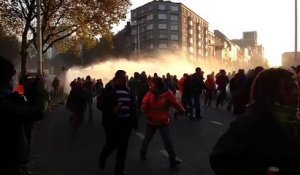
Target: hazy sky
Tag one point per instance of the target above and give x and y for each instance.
(274, 20)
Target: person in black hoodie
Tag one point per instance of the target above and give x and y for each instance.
(15, 113)
(268, 135)
(118, 119)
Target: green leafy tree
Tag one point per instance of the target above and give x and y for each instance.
(80, 20)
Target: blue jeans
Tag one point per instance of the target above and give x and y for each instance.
(197, 105)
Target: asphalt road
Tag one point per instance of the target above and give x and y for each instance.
(55, 152)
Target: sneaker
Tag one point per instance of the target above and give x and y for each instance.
(175, 164)
(122, 173)
(101, 164)
(199, 117)
(143, 157)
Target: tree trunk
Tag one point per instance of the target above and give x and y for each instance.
(24, 55)
(23, 52)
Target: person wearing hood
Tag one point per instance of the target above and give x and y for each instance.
(15, 113)
(268, 135)
(156, 105)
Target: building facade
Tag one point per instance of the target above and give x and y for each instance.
(288, 59)
(165, 26)
(250, 47)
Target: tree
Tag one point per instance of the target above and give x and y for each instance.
(102, 50)
(9, 45)
(60, 19)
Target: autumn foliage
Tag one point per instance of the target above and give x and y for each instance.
(74, 20)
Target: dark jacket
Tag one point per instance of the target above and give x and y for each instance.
(222, 81)
(197, 84)
(252, 144)
(108, 101)
(77, 100)
(15, 113)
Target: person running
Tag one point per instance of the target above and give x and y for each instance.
(55, 87)
(210, 87)
(156, 105)
(268, 134)
(222, 81)
(89, 89)
(118, 119)
(197, 84)
(76, 103)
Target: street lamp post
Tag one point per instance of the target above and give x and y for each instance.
(296, 32)
(39, 39)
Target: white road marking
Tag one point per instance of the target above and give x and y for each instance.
(165, 153)
(140, 135)
(217, 123)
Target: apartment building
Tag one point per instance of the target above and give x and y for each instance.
(165, 26)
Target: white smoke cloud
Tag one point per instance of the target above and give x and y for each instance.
(174, 64)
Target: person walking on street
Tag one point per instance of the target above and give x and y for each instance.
(76, 104)
(222, 81)
(156, 105)
(89, 89)
(210, 87)
(197, 84)
(118, 119)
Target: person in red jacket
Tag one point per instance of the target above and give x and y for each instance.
(210, 87)
(156, 105)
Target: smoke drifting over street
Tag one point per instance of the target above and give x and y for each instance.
(166, 63)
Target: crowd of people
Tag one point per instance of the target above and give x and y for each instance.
(264, 135)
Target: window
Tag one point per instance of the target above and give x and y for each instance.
(191, 31)
(149, 36)
(174, 45)
(191, 40)
(150, 17)
(135, 40)
(150, 7)
(191, 49)
(162, 45)
(174, 8)
(161, 7)
(190, 22)
(199, 27)
(162, 16)
(163, 36)
(174, 37)
(150, 46)
(133, 32)
(133, 23)
(199, 44)
(174, 17)
(150, 27)
(174, 27)
(162, 26)
(134, 14)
